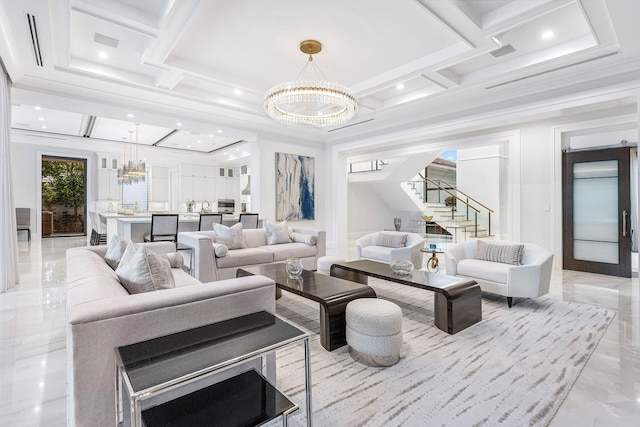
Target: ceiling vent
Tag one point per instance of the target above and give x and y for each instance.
(504, 50)
(89, 129)
(352, 124)
(35, 39)
(105, 40)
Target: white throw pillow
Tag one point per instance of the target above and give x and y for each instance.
(146, 271)
(391, 240)
(304, 238)
(220, 250)
(115, 250)
(231, 237)
(129, 252)
(277, 233)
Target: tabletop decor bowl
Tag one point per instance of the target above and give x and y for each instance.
(401, 266)
(293, 267)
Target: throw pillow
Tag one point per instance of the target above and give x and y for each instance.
(174, 258)
(129, 252)
(115, 250)
(277, 233)
(500, 252)
(304, 238)
(392, 240)
(231, 237)
(219, 250)
(146, 271)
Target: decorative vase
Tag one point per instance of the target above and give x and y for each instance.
(293, 267)
(397, 222)
(401, 267)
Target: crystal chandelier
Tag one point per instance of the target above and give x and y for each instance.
(133, 171)
(310, 103)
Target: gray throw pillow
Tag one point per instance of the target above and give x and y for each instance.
(277, 233)
(304, 238)
(500, 252)
(146, 271)
(392, 240)
(115, 250)
(231, 237)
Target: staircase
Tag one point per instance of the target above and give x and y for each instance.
(466, 218)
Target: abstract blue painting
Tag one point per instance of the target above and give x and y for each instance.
(295, 192)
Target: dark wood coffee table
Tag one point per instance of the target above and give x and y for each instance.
(457, 303)
(332, 293)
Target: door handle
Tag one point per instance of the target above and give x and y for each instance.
(624, 223)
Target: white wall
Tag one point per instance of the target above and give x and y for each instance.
(479, 173)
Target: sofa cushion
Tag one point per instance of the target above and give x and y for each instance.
(500, 252)
(484, 270)
(115, 250)
(308, 239)
(380, 253)
(182, 278)
(291, 250)
(243, 257)
(231, 237)
(146, 271)
(255, 237)
(277, 233)
(392, 240)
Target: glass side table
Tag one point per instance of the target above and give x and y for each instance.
(433, 264)
(158, 381)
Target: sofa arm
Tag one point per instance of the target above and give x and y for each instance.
(452, 256)
(531, 280)
(204, 263)
(321, 239)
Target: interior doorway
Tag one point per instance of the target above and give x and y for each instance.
(597, 214)
(64, 193)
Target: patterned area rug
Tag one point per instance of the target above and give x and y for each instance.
(512, 369)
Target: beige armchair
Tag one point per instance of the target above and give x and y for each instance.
(372, 247)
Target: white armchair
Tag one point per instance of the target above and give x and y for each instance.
(367, 248)
(529, 280)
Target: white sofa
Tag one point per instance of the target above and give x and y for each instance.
(366, 248)
(209, 267)
(102, 315)
(529, 280)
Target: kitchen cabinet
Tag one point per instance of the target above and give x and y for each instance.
(198, 182)
(108, 186)
(159, 190)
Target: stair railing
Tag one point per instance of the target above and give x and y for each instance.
(448, 188)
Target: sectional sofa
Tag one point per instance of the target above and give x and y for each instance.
(210, 264)
(102, 315)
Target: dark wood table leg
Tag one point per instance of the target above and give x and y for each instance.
(460, 308)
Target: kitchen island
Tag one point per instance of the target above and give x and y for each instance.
(135, 227)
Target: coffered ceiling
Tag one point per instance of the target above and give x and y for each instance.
(208, 63)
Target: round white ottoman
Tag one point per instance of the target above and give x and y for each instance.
(374, 331)
(325, 263)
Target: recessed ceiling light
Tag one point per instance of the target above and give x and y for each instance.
(237, 92)
(199, 142)
(219, 130)
(179, 124)
(188, 146)
(41, 118)
(130, 115)
(38, 108)
(400, 86)
(237, 149)
(210, 135)
(546, 35)
(103, 55)
(44, 127)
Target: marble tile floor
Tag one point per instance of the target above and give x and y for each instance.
(33, 348)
